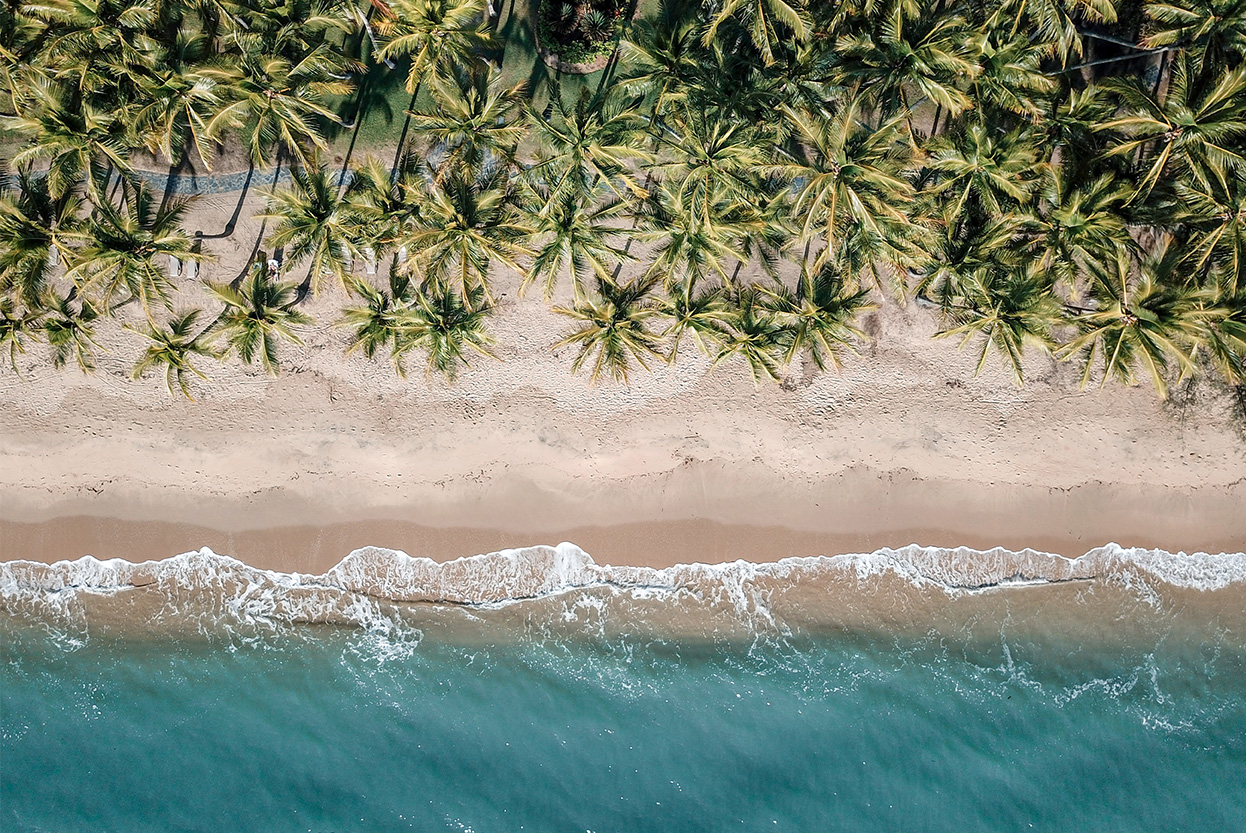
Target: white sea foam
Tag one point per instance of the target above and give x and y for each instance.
(533, 572)
(363, 590)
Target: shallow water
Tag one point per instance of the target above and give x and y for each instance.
(910, 690)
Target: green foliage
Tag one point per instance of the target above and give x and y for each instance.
(258, 315)
(747, 175)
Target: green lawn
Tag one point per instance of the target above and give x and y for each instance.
(386, 100)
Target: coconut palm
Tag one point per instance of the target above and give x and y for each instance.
(68, 325)
(1196, 131)
(818, 316)
(1053, 23)
(34, 229)
(466, 224)
(431, 34)
(73, 138)
(173, 348)
(961, 255)
(659, 58)
(756, 335)
(849, 175)
(905, 50)
(258, 315)
(573, 240)
(1216, 219)
(1069, 132)
(1078, 226)
(311, 222)
(976, 169)
(1009, 308)
(713, 160)
(96, 43)
(180, 96)
(381, 204)
(125, 250)
(614, 329)
(1213, 30)
(447, 327)
(278, 103)
(1142, 322)
(473, 120)
(378, 322)
(687, 245)
(1011, 77)
(585, 147)
(703, 313)
(1227, 335)
(769, 23)
(17, 326)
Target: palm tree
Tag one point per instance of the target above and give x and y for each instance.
(1194, 132)
(1216, 219)
(474, 119)
(257, 315)
(704, 314)
(687, 245)
(817, 317)
(769, 23)
(70, 331)
(277, 103)
(659, 58)
(446, 326)
(312, 222)
(432, 34)
(907, 48)
(1145, 322)
(182, 93)
(1053, 23)
(173, 347)
(465, 224)
(714, 160)
(1011, 77)
(1213, 30)
(34, 229)
(1009, 308)
(378, 322)
(1227, 335)
(123, 249)
(586, 147)
(16, 326)
(614, 329)
(1077, 226)
(757, 335)
(96, 45)
(74, 138)
(982, 172)
(849, 176)
(574, 240)
(382, 204)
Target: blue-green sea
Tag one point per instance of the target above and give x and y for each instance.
(912, 690)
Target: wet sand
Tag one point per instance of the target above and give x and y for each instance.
(856, 513)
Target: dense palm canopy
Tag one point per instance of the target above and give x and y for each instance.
(1058, 179)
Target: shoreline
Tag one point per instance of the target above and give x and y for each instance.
(857, 512)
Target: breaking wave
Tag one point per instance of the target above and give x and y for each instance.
(376, 589)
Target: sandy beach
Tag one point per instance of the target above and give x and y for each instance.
(903, 445)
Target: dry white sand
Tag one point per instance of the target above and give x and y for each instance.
(903, 445)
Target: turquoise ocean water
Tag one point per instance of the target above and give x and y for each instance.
(915, 690)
